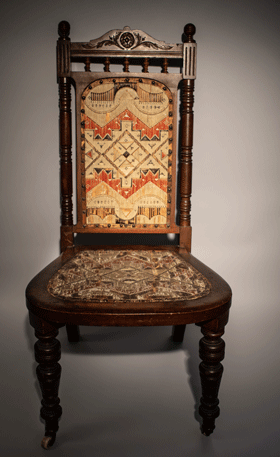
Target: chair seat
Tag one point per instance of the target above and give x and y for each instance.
(153, 286)
(128, 275)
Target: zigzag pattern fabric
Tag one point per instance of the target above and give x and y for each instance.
(126, 133)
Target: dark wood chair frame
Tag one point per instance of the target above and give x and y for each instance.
(47, 314)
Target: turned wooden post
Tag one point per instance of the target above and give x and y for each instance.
(212, 352)
(187, 100)
(65, 146)
(65, 135)
(185, 176)
(65, 151)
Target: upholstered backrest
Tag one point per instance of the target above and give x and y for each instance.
(126, 135)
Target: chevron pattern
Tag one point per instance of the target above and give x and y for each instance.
(126, 132)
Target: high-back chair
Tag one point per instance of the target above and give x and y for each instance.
(128, 131)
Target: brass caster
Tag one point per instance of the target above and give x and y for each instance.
(47, 442)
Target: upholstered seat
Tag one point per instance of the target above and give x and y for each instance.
(143, 286)
(102, 275)
(127, 184)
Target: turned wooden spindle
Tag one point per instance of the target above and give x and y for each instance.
(107, 64)
(146, 65)
(126, 65)
(87, 64)
(165, 66)
(47, 354)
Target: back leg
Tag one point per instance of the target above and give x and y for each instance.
(178, 332)
(73, 333)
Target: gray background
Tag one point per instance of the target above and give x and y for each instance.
(130, 392)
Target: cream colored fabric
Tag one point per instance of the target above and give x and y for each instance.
(127, 138)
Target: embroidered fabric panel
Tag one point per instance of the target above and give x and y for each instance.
(127, 136)
(128, 275)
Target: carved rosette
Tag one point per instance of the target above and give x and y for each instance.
(127, 40)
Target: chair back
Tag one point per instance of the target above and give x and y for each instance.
(126, 133)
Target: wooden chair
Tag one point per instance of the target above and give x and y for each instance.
(126, 153)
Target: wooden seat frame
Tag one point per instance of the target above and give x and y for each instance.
(48, 313)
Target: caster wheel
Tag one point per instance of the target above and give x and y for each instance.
(47, 442)
(207, 431)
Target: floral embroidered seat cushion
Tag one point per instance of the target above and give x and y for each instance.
(128, 275)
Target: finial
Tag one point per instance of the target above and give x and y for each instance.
(64, 30)
(189, 31)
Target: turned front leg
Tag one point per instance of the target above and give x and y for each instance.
(47, 354)
(211, 351)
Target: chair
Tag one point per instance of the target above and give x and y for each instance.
(126, 183)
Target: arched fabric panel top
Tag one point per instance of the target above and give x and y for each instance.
(126, 133)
